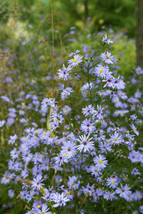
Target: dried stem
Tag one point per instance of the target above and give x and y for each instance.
(53, 43)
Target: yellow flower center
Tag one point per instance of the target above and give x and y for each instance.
(68, 193)
(118, 112)
(65, 111)
(100, 161)
(74, 60)
(115, 139)
(45, 134)
(137, 195)
(101, 70)
(117, 101)
(64, 155)
(25, 138)
(96, 170)
(112, 182)
(109, 195)
(37, 132)
(41, 213)
(107, 57)
(38, 206)
(72, 183)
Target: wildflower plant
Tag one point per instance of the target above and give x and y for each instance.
(89, 157)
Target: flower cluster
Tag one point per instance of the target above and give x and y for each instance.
(89, 158)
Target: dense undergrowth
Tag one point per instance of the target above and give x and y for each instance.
(72, 143)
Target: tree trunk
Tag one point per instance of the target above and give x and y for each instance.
(86, 9)
(139, 33)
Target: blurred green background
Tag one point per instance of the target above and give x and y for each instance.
(114, 13)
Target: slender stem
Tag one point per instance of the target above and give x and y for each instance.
(61, 42)
(83, 201)
(52, 42)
